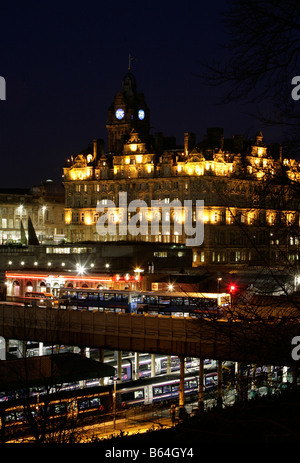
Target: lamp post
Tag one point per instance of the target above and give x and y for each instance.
(232, 290)
(115, 378)
(138, 271)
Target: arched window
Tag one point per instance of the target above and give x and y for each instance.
(29, 286)
(16, 288)
(55, 289)
(42, 287)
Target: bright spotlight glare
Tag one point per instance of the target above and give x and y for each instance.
(80, 269)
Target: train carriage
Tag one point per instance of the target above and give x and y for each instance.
(145, 302)
(96, 299)
(77, 404)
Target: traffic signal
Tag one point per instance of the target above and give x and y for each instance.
(232, 288)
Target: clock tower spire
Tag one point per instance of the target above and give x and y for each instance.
(130, 58)
(128, 111)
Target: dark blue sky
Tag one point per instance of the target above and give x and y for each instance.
(64, 62)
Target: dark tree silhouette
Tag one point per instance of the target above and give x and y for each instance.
(260, 60)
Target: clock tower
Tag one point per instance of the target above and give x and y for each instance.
(128, 111)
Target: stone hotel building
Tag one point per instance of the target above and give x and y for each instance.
(249, 189)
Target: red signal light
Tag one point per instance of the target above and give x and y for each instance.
(232, 288)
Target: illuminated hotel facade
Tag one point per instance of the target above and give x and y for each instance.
(250, 209)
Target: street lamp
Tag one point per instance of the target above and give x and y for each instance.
(80, 269)
(138, 272)
(232, 290)
(115, 378)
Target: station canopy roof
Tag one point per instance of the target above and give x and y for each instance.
(50, 370)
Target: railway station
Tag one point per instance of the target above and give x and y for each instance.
(164, 345)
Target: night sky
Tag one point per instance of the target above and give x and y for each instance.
(64, 62)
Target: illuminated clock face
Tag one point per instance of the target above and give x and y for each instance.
(141, 114)
(119, 113)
